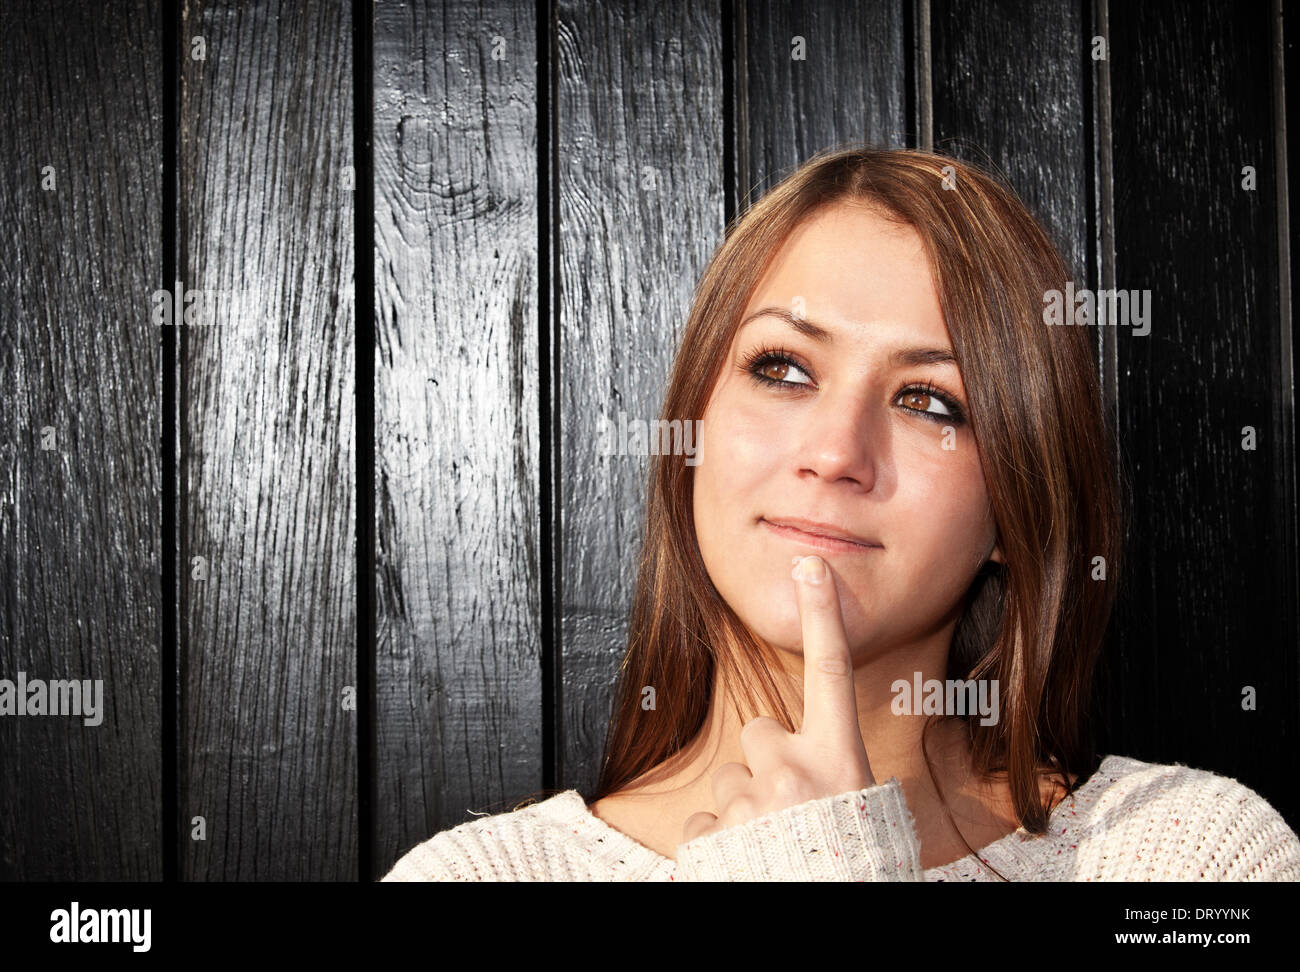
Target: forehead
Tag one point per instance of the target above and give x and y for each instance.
(851, 266)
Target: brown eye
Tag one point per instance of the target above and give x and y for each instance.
(773, 369)
(917, 400)
(922, 401)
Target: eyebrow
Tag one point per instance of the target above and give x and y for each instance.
(903, 357)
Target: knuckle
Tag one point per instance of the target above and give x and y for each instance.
(833, 665)
(788, 784)
(737, 773)
(697, 823)
(756, 728)
(740, 809)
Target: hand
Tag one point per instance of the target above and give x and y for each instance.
(826, 756)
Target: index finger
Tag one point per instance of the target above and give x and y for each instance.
(830, 704)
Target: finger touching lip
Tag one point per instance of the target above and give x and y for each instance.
(830, 703)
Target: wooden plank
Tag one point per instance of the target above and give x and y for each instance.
(814, 76)
(457, 476)
(1014, 94)
(640, 182)
(1210, 605)
(1009, 94)
(269, 637)
(79, 503)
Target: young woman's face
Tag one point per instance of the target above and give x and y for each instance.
(849, 424)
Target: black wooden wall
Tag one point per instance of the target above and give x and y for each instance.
(349, 565)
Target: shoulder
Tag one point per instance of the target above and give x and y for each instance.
(518, 845)
(1174, 822)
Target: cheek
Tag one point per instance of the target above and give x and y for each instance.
(736, 459)
(942, 511)
(732, 487)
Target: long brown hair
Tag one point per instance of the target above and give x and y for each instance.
(1035, 623)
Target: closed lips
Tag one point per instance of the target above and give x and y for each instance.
(823, 531)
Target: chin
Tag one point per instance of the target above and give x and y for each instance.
(783, 637)
(772, 617)
(775, 619)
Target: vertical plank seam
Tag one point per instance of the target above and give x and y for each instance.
(169, 540)
(1089, 99)
(911, 133)
(735, 107)
(1285, 335)
(1105, 188)
(364, 431)
(548, 323)
(1102, 235)
(924, 77)
(1090, 17)
(730, 176)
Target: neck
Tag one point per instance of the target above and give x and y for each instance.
(892, 741)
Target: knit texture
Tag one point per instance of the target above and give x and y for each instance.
(1130, 821)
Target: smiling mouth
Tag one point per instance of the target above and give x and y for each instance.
(808, 535)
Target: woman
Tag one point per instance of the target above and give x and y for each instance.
(868, 610)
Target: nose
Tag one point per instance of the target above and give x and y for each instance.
(841, 442)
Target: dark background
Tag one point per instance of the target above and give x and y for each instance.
(400, 495)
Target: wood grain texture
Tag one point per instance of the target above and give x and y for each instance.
(817, 76)
(1009, 95)
(640, 182)
(457, 416)
(464, 392)
(269, 638)
(80, 521)
(1209, 608)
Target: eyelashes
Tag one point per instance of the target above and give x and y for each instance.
(761, 358)
(956, 416)
(757, 362)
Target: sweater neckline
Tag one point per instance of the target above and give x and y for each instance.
(571, 807)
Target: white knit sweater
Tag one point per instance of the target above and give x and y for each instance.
(1130, 821)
